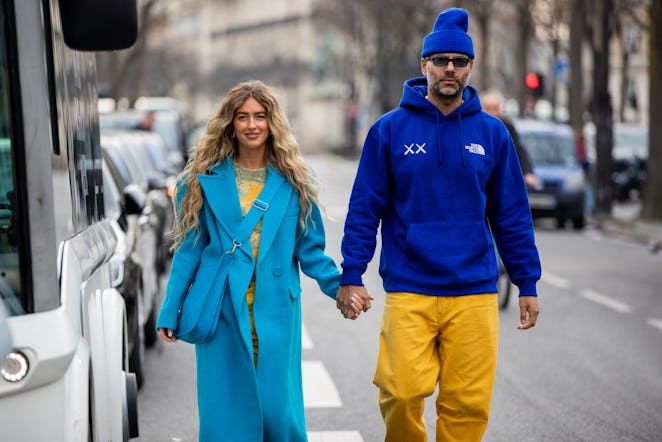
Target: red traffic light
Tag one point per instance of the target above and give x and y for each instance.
(532, 80)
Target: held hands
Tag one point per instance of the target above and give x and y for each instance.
(528, 312)
(351, 300)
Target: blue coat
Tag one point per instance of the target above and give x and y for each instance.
(237, 400)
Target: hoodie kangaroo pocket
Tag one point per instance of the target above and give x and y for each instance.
(449, 253)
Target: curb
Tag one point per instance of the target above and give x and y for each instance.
(646, 233)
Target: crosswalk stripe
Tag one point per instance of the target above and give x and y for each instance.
(306, 341)
(334, 436)
(318, 388)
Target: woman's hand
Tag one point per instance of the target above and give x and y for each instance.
(351, 300)
(167, 334)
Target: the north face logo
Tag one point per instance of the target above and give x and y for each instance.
(475, 148)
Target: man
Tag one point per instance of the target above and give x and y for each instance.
(491, 101)
(444, 181)
(146, 123)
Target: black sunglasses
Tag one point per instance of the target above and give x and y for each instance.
(442, 62)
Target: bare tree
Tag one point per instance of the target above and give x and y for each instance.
(578, 34)
(482, 12)
(382, 43)
(652, 206)
(525, 29)
(601, 108)
(120, 72)
(551, 21)
(629, 17)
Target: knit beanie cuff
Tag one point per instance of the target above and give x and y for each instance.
(447, 42)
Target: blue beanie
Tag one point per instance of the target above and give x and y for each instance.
(449, 34)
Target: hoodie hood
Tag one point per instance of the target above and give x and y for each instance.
(415, 90)
(413, 98)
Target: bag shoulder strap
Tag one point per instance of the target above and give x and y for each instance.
(259, 207)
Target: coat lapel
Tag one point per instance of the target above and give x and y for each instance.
(273, 217)
(220, 191)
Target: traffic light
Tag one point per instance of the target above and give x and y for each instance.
(535, 83)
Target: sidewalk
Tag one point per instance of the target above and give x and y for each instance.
(625, 222)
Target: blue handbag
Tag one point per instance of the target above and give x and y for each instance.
(198, 313)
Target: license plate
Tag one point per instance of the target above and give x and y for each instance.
(542, 201)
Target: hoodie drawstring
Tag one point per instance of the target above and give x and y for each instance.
(459, 122)
(438, 141)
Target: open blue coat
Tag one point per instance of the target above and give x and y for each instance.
(237, 400)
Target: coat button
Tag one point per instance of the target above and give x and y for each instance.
(277, 271)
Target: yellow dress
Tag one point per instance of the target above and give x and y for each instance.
(249, 185)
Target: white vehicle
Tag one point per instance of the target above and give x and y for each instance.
(63, 348)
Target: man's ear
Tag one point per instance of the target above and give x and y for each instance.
(424, 66)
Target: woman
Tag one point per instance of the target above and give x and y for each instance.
(249, 372)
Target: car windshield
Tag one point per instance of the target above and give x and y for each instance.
(550, 149)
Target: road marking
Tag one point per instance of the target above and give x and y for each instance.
(318, 388)
(555, 280)
(306, 341)
(606, 301)
(654, 322)
(334, 436)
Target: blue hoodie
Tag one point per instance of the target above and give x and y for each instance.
(445, 188)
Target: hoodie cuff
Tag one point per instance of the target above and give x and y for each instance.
(527, 288)
(351, 277)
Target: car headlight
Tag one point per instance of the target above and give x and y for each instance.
(574, 181)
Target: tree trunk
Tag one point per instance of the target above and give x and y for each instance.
(602, 110)
(577, 102)
(484, 68)
(556, 43)
(652, 207)
(525, 29)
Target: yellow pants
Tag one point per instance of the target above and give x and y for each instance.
(430, 340)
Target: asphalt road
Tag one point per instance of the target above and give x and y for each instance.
(589, 371)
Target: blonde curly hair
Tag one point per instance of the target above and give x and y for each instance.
(282, 153)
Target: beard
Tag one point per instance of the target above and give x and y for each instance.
(448, 92)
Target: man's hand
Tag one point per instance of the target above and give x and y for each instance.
(528, 312)
(351, 300)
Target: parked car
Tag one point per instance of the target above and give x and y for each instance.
(144, 149)
(629, 158)
(130, 261)
(553, 151)
(167, 123)
(134, 163)
(125, 173)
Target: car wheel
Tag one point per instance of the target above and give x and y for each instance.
(150, 326)
(137, 355)
(578, 223)
(503, 288)
(560, 223)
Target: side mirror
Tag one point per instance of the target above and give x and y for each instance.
(99, 25)
(134, 199)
